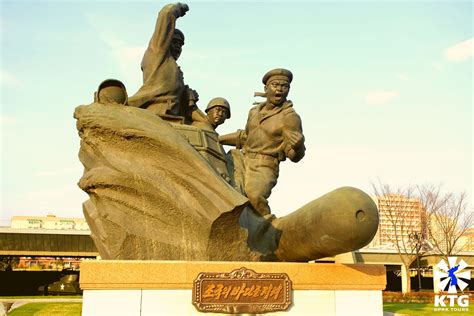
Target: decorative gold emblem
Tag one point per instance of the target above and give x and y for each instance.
(242, 291)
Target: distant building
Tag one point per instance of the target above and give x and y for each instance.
(399, 216)
(467, 240)
(48, 263)
(63, 244)
(48, 222)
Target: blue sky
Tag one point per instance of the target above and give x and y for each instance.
(384, 88)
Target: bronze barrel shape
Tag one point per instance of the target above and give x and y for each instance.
(340, 221)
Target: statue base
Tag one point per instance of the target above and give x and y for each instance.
(165, 287)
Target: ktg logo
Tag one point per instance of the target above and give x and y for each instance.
(451, 276)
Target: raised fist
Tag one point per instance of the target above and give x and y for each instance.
(183, 8)
(290, 152)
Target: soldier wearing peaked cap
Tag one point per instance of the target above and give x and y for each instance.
(278, 73)
(272, 134)
(218, 110)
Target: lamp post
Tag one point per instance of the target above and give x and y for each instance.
(417, 238)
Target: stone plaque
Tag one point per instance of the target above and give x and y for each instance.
(242, 291)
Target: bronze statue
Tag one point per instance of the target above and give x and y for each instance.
(163, 91)
(218, 110)
(161, 186)
(273, 133)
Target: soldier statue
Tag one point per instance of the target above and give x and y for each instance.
(218, 110)
(163, 90)
(187, 198)
(272, 134)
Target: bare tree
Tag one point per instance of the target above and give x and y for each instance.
(401, 218)
(449, 218)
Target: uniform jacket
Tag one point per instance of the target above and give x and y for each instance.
(275, 132)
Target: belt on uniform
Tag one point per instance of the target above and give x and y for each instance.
(260, 156)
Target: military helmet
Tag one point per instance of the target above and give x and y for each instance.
(219, 102)
(115, 89)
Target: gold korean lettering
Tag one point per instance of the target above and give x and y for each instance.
(218, 291)
(276, 291)
(266, 291)
(249, 291)
(257, 290)
(237, 291)
(226, 291)
(209, 292)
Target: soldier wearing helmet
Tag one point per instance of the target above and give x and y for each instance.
(218, 110)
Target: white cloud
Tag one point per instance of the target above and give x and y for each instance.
(380, 97)
(46, 197)
(58, 172)
(125, 55)
(49, 193)
(9, 79)
(128, 59)
(62, 201)
(6, 119)
(459, 52)
(128, 56)
(402, 76)
(437, 65)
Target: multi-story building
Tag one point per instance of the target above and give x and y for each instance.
(48, 263)
(400, 218)
(48, 222)
(46, 225)
(467, 240)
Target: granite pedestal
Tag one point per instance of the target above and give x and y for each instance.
(165, 287)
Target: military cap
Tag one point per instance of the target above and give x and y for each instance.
(278, 72)
(219, 102)
(178, 35)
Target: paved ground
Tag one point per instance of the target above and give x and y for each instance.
(22, 301)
